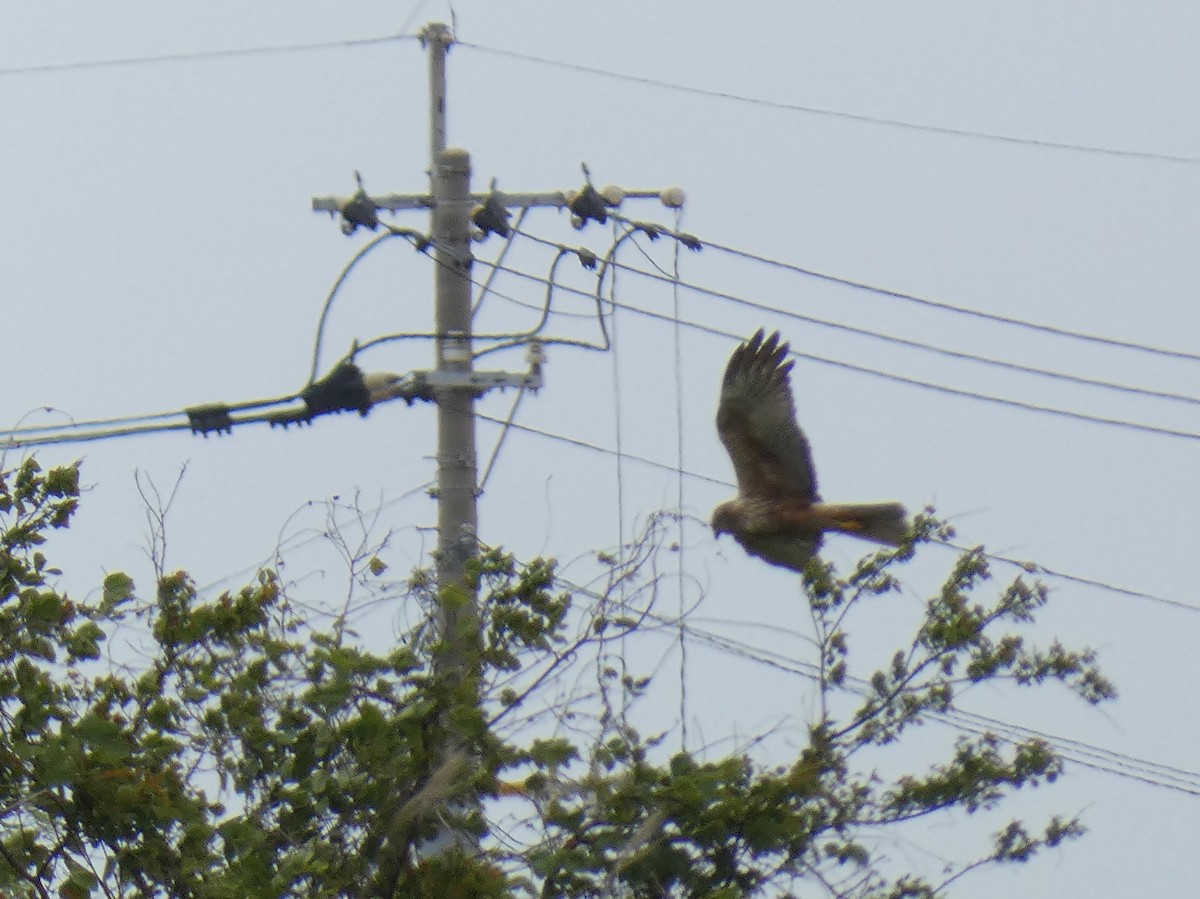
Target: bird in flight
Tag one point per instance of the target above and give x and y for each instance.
(778, 514)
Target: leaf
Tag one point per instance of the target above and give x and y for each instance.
(104, 736)
(118, 588)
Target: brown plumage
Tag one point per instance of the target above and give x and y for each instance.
(778, 514)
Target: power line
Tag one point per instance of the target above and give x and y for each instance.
(202, 55)
(90, 436)
(1087, 755)
(583, 444)
(419, 240)
(924, 301)
(941, 388)
(913, 344)
(901, 379)
(1044, 571)
(1028, 567)
(832, 113)
(1109, 756)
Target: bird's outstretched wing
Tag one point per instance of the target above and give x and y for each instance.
(756, 420)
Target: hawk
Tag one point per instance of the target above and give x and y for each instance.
(778, 515)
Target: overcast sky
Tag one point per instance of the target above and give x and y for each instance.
(1037, 161)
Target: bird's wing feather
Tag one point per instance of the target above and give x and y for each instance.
(756, 420)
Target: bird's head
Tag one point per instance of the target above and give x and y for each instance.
(725, 518)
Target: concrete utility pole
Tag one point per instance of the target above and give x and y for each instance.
(454, 385)
(457, 477)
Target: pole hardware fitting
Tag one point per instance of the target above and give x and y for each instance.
(491, 216)
(424, 384)
(359, 211)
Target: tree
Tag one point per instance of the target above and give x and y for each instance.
(250, 749)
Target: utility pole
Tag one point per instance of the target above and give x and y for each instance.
(457, 476)
(454, 384)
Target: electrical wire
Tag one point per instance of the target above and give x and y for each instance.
(1028, 567)
(923, 301)
(616, 382)
(508, 242)
(679, 479)
(12, 442)
(1084, 754)
(661, 276)
(901, 379)
(127, 426)
(583, 444)
(506, 427)
(832, 113)
(419, 240)
(1109, 756)
(914, 344)
(515, 340)
(508, 339)
(202, 55)
(1044, 571)
(107, 429)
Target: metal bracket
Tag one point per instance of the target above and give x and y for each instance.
(478, 381)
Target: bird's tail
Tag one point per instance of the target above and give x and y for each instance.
(882, 522)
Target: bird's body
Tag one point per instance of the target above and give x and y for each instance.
(778, 514)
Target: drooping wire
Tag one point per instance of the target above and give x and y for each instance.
(419, 240)
(509, 339)
(832, 113)
(520, 339)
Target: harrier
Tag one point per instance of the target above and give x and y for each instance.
(778, 515)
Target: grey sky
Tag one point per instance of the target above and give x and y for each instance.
(159, 251)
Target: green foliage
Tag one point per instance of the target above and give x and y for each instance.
(254, 753)
(733, 828)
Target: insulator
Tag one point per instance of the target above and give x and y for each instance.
(589, 205)
(342, 390)
(210, 418)
(491, 217)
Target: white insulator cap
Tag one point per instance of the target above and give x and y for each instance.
(672, 197)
